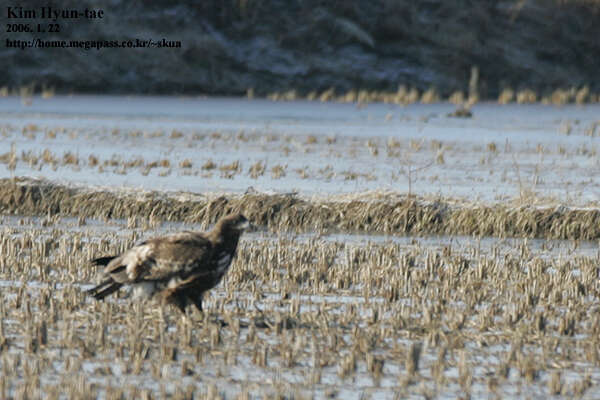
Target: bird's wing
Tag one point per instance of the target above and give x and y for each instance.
(180, 254)
(160, 258)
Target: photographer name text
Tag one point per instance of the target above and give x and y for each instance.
(52, 14)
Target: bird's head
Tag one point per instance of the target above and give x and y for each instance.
(234, 222)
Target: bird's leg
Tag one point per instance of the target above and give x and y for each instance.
(181, 305)
(175, 298)
(197, 300)
(163, 320)
(186, 318)
(170, 296)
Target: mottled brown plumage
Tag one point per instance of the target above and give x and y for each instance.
(179, 268)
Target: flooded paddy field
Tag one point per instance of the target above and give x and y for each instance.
(526, 152)
(303, 316)
(399, 252)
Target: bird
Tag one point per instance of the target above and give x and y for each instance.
(177, 268)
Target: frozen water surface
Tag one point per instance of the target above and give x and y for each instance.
(503, 152)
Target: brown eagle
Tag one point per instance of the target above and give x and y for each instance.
(178, 267)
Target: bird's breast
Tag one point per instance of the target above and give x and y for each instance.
(223, 262)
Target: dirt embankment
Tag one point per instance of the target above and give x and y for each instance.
(385, 215)
(273, 46)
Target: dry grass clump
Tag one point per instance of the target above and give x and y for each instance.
(404, 96)
(303, 173)
(506, 96)
(278, 171)
(593, 129)
(30, 158)
(9, 157)
(377, 214)
(164, 163)
(430, 96)
(353, 175)
(582, 95)
(209, 165)
(526, 96)
(92, 160)
(311, 139)
(257, 169)
(187, 163)
(47, 92)
(327, 95)
(50, 134)
(457, 98)
(175, 134)
(29, 130)
(231, 169)
(70, 159)
(48, 157)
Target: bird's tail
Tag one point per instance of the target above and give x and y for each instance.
(102, 261)
(105, 288)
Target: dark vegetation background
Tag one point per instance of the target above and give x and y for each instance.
(230, 46)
